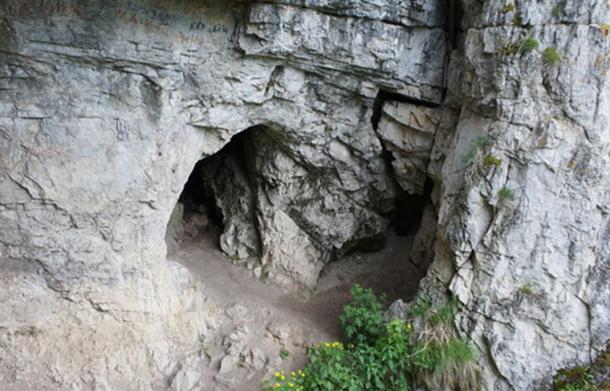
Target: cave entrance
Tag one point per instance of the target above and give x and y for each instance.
(407, 217)
(215, 182)
(256, 202)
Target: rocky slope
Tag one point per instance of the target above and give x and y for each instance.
(352, 108)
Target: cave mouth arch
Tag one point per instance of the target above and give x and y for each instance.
(228, 202)
(218, 184)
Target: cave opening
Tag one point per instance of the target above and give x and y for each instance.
(406, 218)
(198, 214)
(256, 192)
(225, 215)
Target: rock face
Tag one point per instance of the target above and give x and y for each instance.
(106, 107)
(523, 221)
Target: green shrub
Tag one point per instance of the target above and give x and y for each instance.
(332, 367)
(362, 319)
(388, 356)
(592, 377)
(574, 379)
(551, 56)
(529, 45)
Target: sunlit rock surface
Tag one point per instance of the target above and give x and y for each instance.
(105, 107)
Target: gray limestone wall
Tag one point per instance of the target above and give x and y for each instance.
(106, 107)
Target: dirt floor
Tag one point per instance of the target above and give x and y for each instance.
(261, 328)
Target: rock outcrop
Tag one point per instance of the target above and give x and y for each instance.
(106, 107)
(523, 221)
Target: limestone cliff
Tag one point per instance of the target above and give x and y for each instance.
(350, 106)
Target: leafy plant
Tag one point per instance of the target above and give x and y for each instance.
(529, 44)
(575, 379)
(593, 377)
(551, 56)
(282, 382)
(388, 356)
(556, 11)
(362, 319)
(284, 354)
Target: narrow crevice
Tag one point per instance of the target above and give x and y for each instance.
(384, 96)
(454, 23)
(408, 213)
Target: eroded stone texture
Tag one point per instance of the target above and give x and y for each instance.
(407, 132)
(523, 221)
(105, 109)
(107, 106)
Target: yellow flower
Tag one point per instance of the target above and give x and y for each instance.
(277, 385)
(277, 374)
(290, 385)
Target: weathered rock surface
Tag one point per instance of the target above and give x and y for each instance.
(407, 132)
(523, 221)
(105, 108)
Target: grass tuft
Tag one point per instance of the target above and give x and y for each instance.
(473, 148)
(442, 360)
(505, 194)
(529, 45)
(551, 56)
(527, 289)
(491, 160)
(517, 20)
